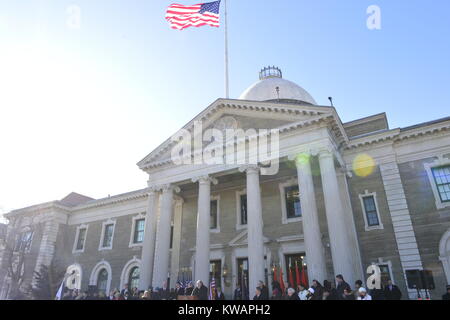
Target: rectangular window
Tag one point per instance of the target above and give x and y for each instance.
(385, 274)
(293, 208)
(243, 209)
(214, 213)
(215, 271)
(107, 236)
(371, 211)
(81, 238)
(23, 241)
(442, 179)
(139, 231)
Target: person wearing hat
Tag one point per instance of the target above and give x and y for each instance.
(302, 292)
(310, 295)
(447, 295)
(363, 295)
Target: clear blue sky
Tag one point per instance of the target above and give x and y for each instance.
(80, 107)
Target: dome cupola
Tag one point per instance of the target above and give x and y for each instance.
(272, 87)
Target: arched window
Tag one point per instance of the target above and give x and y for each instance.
(133, 278)
(102, 280)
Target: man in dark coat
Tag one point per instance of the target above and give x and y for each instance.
(341, 286)
(264, 291)
(164, 293)
(258, 295)
(179, 290)
(237, 292)
(200, 291)
(219, 294)
(392, 292)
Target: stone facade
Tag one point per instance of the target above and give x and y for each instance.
(412, 229)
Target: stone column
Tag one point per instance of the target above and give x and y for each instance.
(315, 254)
(255, 229)
(337, 229)
(148, 246)
(162, 251)
(201, 271)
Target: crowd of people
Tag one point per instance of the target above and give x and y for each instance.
(328, 291)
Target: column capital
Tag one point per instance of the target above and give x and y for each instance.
(206, 179)
(169, 188)
(152, 189)
(251, 168)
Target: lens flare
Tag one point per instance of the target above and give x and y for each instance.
(363, 165)
(302, 158)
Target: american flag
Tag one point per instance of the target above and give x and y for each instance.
(212, 290)
(181, 17)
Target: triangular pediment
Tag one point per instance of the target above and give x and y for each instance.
(240, 114)
(242, 239)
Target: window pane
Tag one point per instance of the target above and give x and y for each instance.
(292, 197)
(385, 274)
(107, 238)
(133, 279)
(81, 237)
(371, 211)
(139, 231)
(442, 180)
(102, 280)
(215, 271)
(243, 209)
(214, 214)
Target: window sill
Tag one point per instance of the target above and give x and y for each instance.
(292, 220)
(105, 249)
(372, 228)
(442, 205)
(241, 227)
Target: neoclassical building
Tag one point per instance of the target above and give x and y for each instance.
(343, 196)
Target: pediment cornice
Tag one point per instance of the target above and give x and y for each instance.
(314, 114)
(398, 135)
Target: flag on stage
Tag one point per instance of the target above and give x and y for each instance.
(183, 16)
(60, 291)
(212, 289)
(305, 281)
(297, 274)
(291, 277)
(282, 286)
(275, 277)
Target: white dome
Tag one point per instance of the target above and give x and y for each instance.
(274, 87)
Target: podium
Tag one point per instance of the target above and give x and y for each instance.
(187, 298)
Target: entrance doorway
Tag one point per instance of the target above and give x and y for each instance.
(296, 269)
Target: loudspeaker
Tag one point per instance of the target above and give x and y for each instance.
(414, 279)
(427, 280)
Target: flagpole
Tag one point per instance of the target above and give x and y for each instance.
(227, 81)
